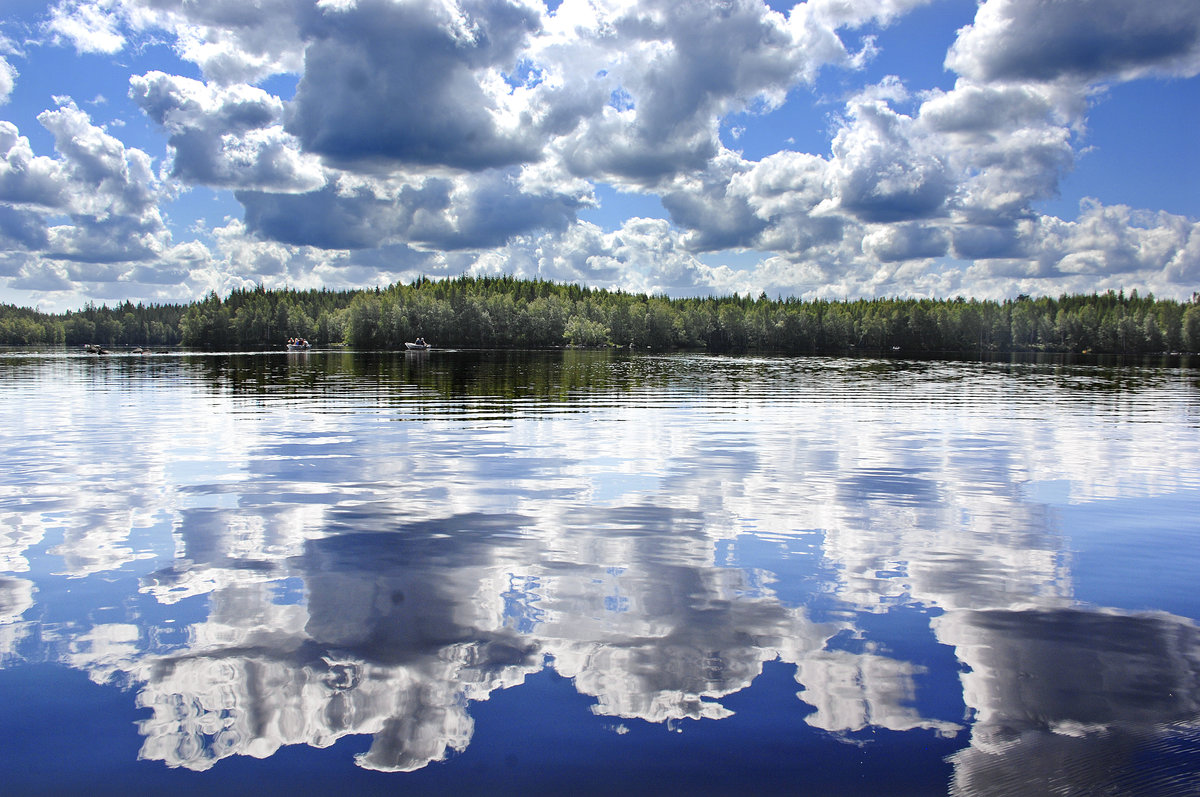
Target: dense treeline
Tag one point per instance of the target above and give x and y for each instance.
(509, 312)
(125, 324)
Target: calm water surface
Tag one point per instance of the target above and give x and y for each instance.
(466, 572)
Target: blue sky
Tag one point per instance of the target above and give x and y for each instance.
(156, 150)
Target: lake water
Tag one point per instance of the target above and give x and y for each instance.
(597, 573)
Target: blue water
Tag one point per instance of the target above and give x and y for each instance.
(504, 572)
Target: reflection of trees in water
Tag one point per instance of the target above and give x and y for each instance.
(400, 379)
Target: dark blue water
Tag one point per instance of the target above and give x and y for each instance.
(505, 573)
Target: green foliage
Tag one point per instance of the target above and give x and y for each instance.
(506, 312)
(1191, 328)
(583, 331)
(126, 323)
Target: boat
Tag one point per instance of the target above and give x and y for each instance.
(298, 344)
(419, 345)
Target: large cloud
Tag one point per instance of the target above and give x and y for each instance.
(402, 83)
(229, 137)
(882, 172)
(461, 212)
(788, 191)
(26, 179)
(1088, 40)
(1008, 146)
(1115, 240)
(669, 71)
(92, 26)
(625, 92)
(114, 193)
(230, 40)
(109, 178)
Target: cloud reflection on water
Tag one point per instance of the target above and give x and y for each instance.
(453, 531)
(1092, 696)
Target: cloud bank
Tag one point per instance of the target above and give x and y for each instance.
(477, 136)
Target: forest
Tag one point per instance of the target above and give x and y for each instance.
(494, 312)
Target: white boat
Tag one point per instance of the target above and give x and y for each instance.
(303, 345)
(418, 346)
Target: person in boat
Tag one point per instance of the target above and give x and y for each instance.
(421, 342)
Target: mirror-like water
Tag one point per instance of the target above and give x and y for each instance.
(600, 572)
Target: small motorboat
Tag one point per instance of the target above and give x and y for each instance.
(418, 345)
(298, 344)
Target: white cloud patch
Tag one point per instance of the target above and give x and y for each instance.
(109, 178)
(43, 277)
(644, 255)
(231, 41)
(26, 179)
(1006, 146)
(240, 260)
(227, 137)
(788, 192)
(91, 26)
(8, 79)
(677, 69)
(883, 171)
(1115, 240)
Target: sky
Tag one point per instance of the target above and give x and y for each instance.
(158, 150)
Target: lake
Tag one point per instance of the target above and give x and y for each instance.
(598, 573)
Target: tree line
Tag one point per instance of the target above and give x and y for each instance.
(493, 312)
(125, 324)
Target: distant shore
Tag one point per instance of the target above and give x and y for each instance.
(505, 312)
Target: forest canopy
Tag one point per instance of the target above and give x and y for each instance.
(490, 312)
